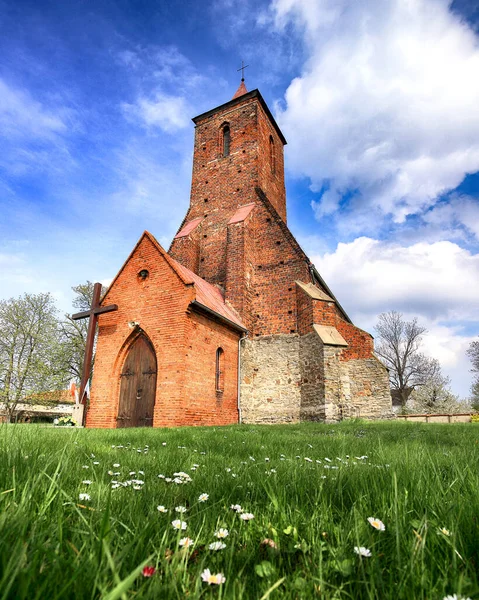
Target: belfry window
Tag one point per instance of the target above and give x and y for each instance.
(220, 370)
(272, 154)
(226, 140)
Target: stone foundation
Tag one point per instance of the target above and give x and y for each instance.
(290, 378)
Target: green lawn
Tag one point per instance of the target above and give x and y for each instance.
(310, 487)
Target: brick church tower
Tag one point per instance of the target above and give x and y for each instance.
(289, 350)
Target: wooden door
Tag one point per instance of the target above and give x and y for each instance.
(138, 386)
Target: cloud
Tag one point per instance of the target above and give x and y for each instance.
(436, 282)
(387, 103)
(169, 113)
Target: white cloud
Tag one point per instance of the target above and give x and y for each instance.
(436, 282)
(166, 112)
(387, 102)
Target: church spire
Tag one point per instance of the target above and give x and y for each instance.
(241, 90)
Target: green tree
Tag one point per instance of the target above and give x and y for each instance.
(398, 346)
(30, 350)
(473, 353)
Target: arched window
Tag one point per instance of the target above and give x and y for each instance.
(220, 370)
(272, 155)
(226, 140)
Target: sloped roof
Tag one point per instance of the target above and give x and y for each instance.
(189, 227)
(206, 295)
(330, 336)
(241, 213)
(314, 292)
(241, 90)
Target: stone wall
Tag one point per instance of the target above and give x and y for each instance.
(311, 354)
(271, 379)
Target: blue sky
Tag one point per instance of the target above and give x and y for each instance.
(379, 103)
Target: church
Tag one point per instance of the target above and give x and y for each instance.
(233, 324)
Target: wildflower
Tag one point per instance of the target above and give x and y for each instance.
(96, 462)
(86, 482)
(203, 497)
(308, 459)
(237, 508)
(208, 577)
(161, 476)
(178, 524)
(115, 486)
(327, 459)
(141, 472)
(217, 546)
(132, 472)
(266, 459)
(186, 542)
(137, 487)
(376, 523)
(161, 508)
(116, 465)
(228, 469)
(85, 467)
(84, 497)
(181, 509)
(221, 533)
(445, 531)
(148, 571)
(163, 443)
(110, 473)
(270, 543)
(247, 516)
(455, 597)
(362, 551)
(252, 458)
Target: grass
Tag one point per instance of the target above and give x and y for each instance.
(418, 479)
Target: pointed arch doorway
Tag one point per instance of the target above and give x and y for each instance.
(138, 385)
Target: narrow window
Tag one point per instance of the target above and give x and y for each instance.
(226, 140)
(272, 157)
(220, 370)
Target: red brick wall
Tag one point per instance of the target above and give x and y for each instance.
(160, 305)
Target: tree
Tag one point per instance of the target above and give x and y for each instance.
(473, 353)
(436, 396)
(30, 350)
(74, 333)
(398, 346)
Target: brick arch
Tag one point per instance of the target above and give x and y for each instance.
(122, 356)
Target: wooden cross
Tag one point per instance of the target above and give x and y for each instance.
(95, 310)
(242, 68)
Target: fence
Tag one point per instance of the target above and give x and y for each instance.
(440, 418)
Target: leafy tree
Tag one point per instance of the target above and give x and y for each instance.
(398, 346)
(436, 396)
(74, 333)
(30, 350)
(473, 353)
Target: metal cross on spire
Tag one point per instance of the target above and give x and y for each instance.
(242, 68)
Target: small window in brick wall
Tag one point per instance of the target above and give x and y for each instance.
(272, 155)
(226, 140)
(220, 370)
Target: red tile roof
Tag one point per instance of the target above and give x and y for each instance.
(189, 227)
(241, 90)
(241, 213)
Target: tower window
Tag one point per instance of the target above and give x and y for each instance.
(220, 370)
(226, 140)
(272, 155)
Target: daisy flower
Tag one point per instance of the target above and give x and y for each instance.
(362, 551)
(376, 523)
(455, 597)
(247, 516)
(84, 497)
(222, 533)
(116, 465)
(208, 577)
(445, 531)
(178, 524)
(217, 546)
(186, 542)
(86, 482)
(181, 509)
(161, 508)
(203, 497)
(236, 507)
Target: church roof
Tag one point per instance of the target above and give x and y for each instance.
(241, 90)
(207, 296)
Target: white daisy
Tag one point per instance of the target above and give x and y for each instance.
(217, 546)
(362, 551)
(208, 577)
(237, 508)
(116, 465)
(180, 509)
(222, 533)
(84, 497)
(186, 542)
(203, 497)
(86, 482)
(445, 531)
(178, 524)
(160, 508)
(376, 523)
(247, 516)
